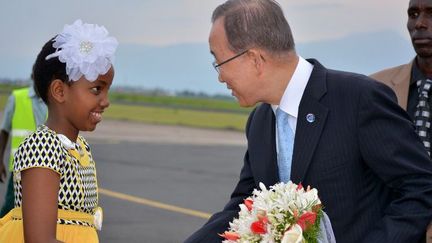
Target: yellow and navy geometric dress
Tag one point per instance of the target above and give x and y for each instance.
(78, 211)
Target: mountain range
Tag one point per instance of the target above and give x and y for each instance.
(188, 66)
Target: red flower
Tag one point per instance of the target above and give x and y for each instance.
(258, 227)
(299, 186)
(248, 203)
(230, 235)
(306, 220)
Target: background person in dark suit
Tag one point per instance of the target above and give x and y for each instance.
(375, 186)
(403, 79)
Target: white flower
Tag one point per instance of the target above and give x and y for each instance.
(293, 235)
(86, 49)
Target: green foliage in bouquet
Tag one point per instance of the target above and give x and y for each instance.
(311, 235)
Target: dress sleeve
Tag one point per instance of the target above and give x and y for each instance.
(40, 150)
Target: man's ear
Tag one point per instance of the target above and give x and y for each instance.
(58, 90)
(257, 58)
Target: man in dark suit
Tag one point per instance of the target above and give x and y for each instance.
(375, 187)
(404, 79)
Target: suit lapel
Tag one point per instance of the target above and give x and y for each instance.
(308, 131)
(401, 83)
(262, 148)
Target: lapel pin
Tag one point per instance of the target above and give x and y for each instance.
(310, 117)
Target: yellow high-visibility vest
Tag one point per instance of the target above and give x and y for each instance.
(23, 121)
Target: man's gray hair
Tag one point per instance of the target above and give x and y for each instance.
(255, 23)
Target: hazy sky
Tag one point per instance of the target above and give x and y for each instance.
(26, 25)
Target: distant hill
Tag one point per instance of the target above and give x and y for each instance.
(363, 53)
(188, 66)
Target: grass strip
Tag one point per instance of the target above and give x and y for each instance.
(170, 116)
(174, 116)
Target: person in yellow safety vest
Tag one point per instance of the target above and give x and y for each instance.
(23, 112)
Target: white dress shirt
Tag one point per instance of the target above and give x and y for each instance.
(291, 98)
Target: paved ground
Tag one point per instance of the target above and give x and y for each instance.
(138, 132)
(151, 175)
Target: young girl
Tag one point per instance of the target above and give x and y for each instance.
(55, 182)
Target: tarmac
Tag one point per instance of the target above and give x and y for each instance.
(160, 183)
(140, 132)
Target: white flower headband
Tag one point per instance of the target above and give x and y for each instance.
(86, 49)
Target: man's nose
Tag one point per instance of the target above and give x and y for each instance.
(422, 21)
(220, 78)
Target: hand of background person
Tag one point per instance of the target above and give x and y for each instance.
(2, 172)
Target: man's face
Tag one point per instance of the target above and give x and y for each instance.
(420, 26)
(238, 73)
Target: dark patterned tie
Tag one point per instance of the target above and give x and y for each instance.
(422, 115)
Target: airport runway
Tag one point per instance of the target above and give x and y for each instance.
(160, 183)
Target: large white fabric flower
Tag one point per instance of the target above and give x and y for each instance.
(86, 49)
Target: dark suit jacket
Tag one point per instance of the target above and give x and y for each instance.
(398, 79)
(372, 173)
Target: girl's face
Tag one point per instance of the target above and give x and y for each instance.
(85, 101)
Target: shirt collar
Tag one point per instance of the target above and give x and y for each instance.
(291, 98)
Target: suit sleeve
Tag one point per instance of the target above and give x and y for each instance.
(219, 222)
(393, 151)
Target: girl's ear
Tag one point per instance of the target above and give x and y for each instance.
(58, 90)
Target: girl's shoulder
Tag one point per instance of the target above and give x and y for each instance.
(41, 149)
(42, 138)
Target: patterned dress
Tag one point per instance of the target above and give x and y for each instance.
(76, 167)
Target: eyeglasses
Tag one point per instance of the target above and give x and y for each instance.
(217, 66)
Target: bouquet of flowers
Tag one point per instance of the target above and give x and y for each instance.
(284, 213)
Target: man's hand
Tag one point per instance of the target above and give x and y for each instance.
(2, 173)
